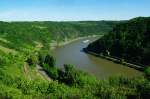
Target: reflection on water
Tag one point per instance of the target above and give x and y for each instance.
(72, 54)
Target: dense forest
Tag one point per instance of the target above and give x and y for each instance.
(129, 41)
(58, 30)
(25, 45)
(20, 36)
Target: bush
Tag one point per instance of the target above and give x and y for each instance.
(51, 71)
(32, 60)
(76, 77)
(50, 60)
(9, 93)
(147, 72)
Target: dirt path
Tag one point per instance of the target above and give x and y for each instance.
(43, 73)
(26, 71)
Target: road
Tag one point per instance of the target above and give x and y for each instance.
(43, 73)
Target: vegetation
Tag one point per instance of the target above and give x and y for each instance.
(30, 31)
(24, 45)
(147, 72)
(84, 85)
(49, 60)
(129, 41)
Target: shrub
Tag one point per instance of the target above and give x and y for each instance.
(51, 71)
(147, 72)
(76, 77)
(50, 60)
(32, 60)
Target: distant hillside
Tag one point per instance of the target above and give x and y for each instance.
(21, 32)
(129, 40)
(60, 30)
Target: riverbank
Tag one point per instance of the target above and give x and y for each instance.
(116, 60)
(56, 44)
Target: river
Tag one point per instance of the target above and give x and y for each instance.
(72, 54)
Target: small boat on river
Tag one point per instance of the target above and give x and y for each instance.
(86, 41)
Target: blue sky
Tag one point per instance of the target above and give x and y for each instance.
(72, 10)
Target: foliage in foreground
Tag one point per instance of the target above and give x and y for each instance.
(112, 88)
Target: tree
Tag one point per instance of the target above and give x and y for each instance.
(70, 74)
(128, 40)
(50, 60)
(147, 72)
(33, 60)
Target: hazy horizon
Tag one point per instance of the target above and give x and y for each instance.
(72, 10)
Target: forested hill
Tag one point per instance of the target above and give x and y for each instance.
(19, 35)
(58, 30)
(75, 29)
(129, 40)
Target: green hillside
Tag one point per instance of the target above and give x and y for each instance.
(20, 34)
(129, 41)
(25, 45)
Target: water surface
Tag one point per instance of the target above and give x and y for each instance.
(72, 54)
